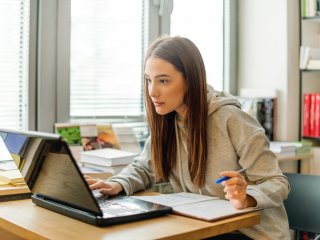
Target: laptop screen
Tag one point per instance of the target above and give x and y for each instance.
(60, 178)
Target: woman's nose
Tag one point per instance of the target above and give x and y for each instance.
(153, 92)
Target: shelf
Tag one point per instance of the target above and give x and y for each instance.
(310, 70)
(316, 139)
(315, 18)
(309, 44)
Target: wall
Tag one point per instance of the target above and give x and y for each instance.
(268, 50)
(268, 53)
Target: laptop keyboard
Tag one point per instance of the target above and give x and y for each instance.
(111, 208)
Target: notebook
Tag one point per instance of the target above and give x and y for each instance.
(57, 184)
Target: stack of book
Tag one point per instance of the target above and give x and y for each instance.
(12, 177)
(87, 136)
(12, 184)
(106, 160)
(90, 136)
(290, 149)
(309, 58)
(303, 147)
(283, 149)
(127, 138)
(310, 8)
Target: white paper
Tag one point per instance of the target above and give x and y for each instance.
(176, 199)
(4, 152)
(7, 165)
(209, 210)
(197, 206)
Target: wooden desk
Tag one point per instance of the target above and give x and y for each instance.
(24, 219)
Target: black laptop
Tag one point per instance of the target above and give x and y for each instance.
(57, 184)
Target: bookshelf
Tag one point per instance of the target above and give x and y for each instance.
(309, 76)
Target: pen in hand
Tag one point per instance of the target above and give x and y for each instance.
(220, 180)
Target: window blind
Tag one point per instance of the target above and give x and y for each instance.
(14, 63)
(107, 45)
(202, 22)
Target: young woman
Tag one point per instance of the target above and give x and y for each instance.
(198, 135)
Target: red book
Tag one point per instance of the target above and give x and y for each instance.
(306, 114)
(317, 115)
(312, 114)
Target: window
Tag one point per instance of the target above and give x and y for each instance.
(14, 63)
(107, 45)
(202, 22)
(106, 58)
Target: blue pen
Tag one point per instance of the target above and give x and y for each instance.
(220, 180)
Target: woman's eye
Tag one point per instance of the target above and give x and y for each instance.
(162, 81)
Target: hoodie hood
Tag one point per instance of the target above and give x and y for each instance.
(217, 99)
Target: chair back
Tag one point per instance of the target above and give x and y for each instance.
(303, 203)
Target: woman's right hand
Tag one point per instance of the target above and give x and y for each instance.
(106, 188)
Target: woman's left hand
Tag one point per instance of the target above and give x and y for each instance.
(236, 190)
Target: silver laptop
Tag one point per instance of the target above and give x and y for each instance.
(56, 183)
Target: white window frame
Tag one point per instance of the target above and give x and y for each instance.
(42, 65)
(32, 98)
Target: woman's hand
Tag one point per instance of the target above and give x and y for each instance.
(236, 190)
(106, 188)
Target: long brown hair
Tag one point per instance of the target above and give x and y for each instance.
(186, 58)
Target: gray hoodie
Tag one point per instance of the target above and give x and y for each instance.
(235, 141)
